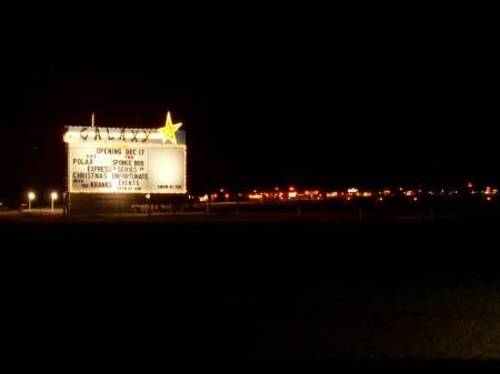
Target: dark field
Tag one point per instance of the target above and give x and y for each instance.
(253, 289)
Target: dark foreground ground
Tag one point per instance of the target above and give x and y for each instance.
(251, 291)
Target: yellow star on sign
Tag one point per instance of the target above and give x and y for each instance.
(169, 130)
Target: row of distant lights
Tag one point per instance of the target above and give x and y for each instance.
(54, 196)
(292, 194)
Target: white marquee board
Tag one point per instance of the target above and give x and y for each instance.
(118, 160)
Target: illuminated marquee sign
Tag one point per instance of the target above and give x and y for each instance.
(121, 160)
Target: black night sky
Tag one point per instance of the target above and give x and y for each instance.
(332, 102)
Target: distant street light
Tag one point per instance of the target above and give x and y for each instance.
(53, 197)
(148, 198)
(31, 197)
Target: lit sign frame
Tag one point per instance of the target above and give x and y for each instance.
(126, 160)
